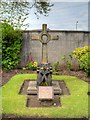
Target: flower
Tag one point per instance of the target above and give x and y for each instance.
(35, 64)
(24, 68)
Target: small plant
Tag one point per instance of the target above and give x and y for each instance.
(29, 65)
(56, 67)
(35, 64)
(68, 61)
(32, 65)
(23, 68)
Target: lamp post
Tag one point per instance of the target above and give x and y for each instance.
(76, 24)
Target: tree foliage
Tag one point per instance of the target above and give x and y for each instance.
(11, 45)
(15, 13)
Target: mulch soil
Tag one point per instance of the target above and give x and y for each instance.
(32, 101)
(7, 75)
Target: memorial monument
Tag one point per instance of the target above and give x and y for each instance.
(44, 87)
(44, 70)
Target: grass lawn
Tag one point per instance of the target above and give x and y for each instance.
(74, 105)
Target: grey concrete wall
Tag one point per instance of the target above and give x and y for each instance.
(67, 42)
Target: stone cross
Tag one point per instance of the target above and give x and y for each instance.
(44, 38)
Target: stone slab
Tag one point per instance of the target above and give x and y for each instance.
(45, 93)
(32, 86)
(31, 92)
(32, 89)
(56, 86)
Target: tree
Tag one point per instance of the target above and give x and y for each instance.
(15, 13)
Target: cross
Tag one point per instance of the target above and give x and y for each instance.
(44, 38)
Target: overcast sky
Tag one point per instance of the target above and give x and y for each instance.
(63, 16)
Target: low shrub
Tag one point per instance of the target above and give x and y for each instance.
(78, 52)
(83, 56)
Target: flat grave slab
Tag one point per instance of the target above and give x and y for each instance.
(45, 93)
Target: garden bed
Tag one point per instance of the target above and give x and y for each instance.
(32, 100)
(7, 75)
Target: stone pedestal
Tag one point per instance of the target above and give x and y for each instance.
(56, 86)
(33, 90)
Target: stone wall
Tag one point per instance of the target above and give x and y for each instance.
(67, 42)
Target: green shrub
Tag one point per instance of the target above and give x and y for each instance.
(78, 52)
(11, 45)
(83, 56)
(85, 62)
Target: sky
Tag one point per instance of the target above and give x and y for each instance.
(63, 16)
